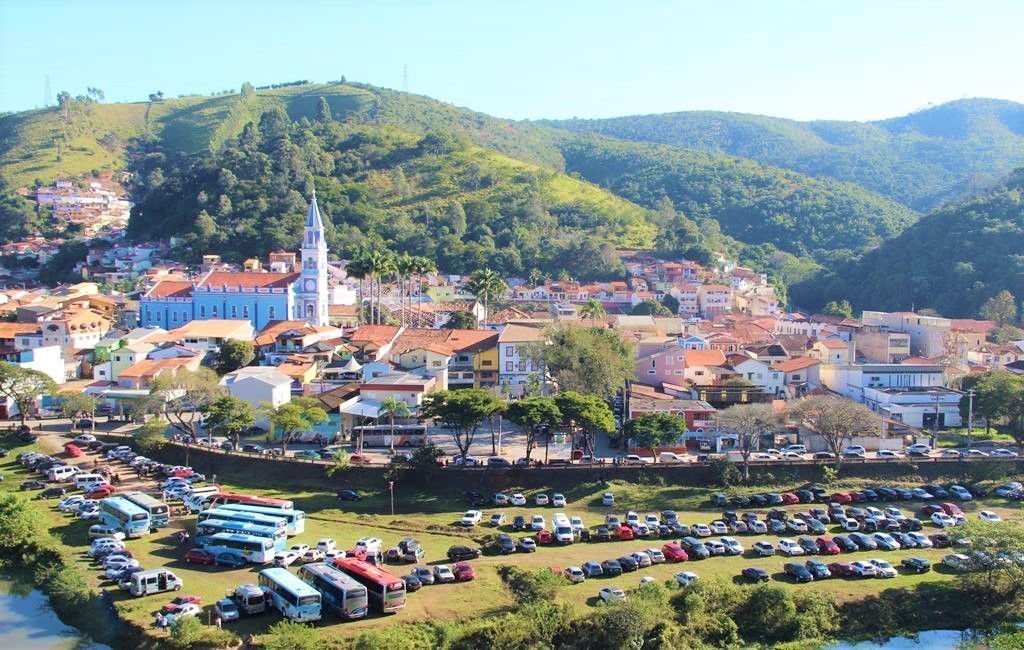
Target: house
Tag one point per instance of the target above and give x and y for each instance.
(831, 351)
(800, 374)
(372, 342)
(515, 366)
(929, 335)
(879, 344)
(141, 374)
(714, 299)
(211, 334)
(78, 329)
(303, 369)
(851, 381)
(259, 385)
(922, 408)
(757, 372)
(19, 336)
(343, 315)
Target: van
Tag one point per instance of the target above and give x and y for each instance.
(61, 473)
(670, 457)
(154, 581)
(250, 599)
(88, 481)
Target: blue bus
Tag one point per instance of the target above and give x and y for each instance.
(159, 512)
(125, 516)
(258, 550)
(244, 517)
(209, 527)
(340, 592)
(296, 518)
(296, 600)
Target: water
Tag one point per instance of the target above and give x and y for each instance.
(28, 623)
(930, 640)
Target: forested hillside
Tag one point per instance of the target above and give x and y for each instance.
(920, 160)
(952, 260)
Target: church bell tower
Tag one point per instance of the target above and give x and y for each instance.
(311, 298)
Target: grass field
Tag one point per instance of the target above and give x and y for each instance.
(431, 522)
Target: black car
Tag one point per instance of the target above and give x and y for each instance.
(911, 524)
(602, 534)
(821, 515)
(729, 515)
(755, 574)
(940, 540)
(887, 494)
(52, 493)
(818, 569)
(845, 544)
(33, 485)
(739, 501)
(3, 452)
(94, 445)
(815, 526)
(864, 542)
(611, 568)
(504, 544)
(823, 455)
(759, 499)
(937, 491)
(869, 494)
(776, 513)
(252, 449)
(519, 523)
(412, 582)
(462, 553)
(916, 565)
(904, 494)
(628, 563)
(775, 498)
(664, 530)
(805, 496)
(854, 512)
(798, 572)
(84, 423)
(808, 544)
(348, 495)
(695, 548)
(229, 560)
(905, 540)
(718, 499)
(681, 530)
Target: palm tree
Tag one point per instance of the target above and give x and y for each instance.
(422, 266)
(386, 267)
(486, 285)
(358, 268)
(593, 309)
(393, 407)
(404, 266)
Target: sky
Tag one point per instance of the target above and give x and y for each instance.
(532, 59)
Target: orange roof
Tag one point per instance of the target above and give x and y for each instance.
(972, 325)
(376, 334)
(342, 310)
(521, 334)
(796, 363)
(10, 330)
(269, 333)
(234, 279)
(438, 348)
(211, 328)
(461, 340)
(833, 344)
(647, 391)
(151, 367)
(704, 358)
(170, 289)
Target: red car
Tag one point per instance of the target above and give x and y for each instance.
(101, 491)
(789, 498)
(199, 556)
(625, 532)
(826, 546)
(463, 572)
(72, 450)
(951, 509)
(842, 498)
(182, 600)
(359, 459)
(544, 537)
(840, 569)
(183, 472)
(673, 552)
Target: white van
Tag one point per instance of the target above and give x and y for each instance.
(88, 481)
(670, 457)
(61, 473)
(153, 582)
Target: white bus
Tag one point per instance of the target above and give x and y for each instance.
(258, 550)
(296, 600)
(159, 512)
(296, 518)
(222, 514)
(379, 435)
(341, 593)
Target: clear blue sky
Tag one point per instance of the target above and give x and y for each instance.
(526, 59)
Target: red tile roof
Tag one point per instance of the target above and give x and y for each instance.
(170, 289)
(796, 363)
(703, 358)
(972, 325)
(232, 279)
(376, 334)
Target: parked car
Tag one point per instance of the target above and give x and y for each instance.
(443, 574)
(685, 578)
(916, 565)
(840, 569)
(818, 569)
(592, 569)
(862, 569)
(674, 552)
(958, 562)
(611, 568)
(755, 574)
(883, 569)
(527, 545)
(199, 556)
(763, 549)
(988, 515)
(790, 547)
(460, 553)
(611, 594)
(798, 572)
(463, 572)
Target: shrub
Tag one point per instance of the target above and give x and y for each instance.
(531, 586)
(288, 635)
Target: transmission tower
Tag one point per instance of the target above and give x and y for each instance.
(405, 77)
(47, 95)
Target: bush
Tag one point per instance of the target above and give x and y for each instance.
(531, 586)
(288, 635)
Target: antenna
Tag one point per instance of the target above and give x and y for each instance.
(47, 95)
(405, 77)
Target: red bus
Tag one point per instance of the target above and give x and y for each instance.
(386, 591)
(224, 498)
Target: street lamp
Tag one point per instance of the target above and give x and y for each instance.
(391, 490)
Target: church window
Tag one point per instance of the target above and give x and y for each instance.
(202, 311)
(213, 310)
(234, 311)
(309, 311)
(184, 317)
(149, 315)
(310, 263)
(245, 311)
(174, 316)
(270, 312)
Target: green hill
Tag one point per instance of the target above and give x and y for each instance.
(920, 160)
(951, 260)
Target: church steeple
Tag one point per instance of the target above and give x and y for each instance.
(311, 302)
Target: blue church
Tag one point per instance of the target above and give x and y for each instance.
(254, 296)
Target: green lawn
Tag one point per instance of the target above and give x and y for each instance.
(430, 521)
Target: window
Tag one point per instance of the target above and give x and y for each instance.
(202, 311)
(508, 366)
(485, 362)
(509, 351)
(174, 316)
(699, 373)
(522, 366)
(213, 310)
(184, 317)
(309, 311)
(270, 312)
(234, 311)
(149, 315)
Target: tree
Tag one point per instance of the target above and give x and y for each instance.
(296, 417)
(247, 90)
(339, 462)
(750, 423)
(323, 111)
(23, 386)
(593, 310)
(531, 413)
(996, 579)
(586, 360)
(654, 430)
(461, 320)
(1000, 395)
(151, 436)
(78, 405)
(670, 303)
(843, 309)
(650, 308)
(229, 416)
(234, 354)
(463, 411)
(20, 525)
(1002, 308)
(289, 635)
(838, 421)
(589, 414)
(486, 285)
(393, 407)
(184, 397)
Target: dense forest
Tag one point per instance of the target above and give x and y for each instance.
(952, 260)
(921, 159)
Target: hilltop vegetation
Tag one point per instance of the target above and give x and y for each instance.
(952, 260)
(920, 160)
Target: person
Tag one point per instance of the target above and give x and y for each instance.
(160, 619)
(250, 640)
(217, 622)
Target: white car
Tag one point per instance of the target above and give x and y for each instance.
(326, 545)
(558, 500)
(96, 531)
(119, 562)
(517, 499)
(888, 453)
(796, 525)
(611, 594)
(632, 518)
(757, 526)
(471, 518)
(961, 492)
(84, 439)
(608, 499)
(760, 455)
(885, 541)
(942, 520)
(792, 455)
(313, 555)
(685, 578)
(188, 609)
(850, 524)
(789, 547)
(883, 569)
(114, 569)
(646, 580)
(285, 558)
(368, 545)
(1002, 453)
(652, 521)
(642, 559)
(858, 450)
(537, 522)
(657, 557)
(633, 459)
(299, 548)
(918, 449)
(71, 503)
(577, 524)
(797, 449)
(894, 513)
(763, 549)
(921, 540)
(732, 546)
(988, 515)
(863, 568)
(701, 530)
(500, 499)
(575, 574)
(541, 500)
(951, 453)
(718, 527)
(90, 514)
(976, 453)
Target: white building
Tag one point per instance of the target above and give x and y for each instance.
(916, 407)
(259, 385)
(929, 335)
(514, 366)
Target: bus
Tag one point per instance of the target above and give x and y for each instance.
(225, 498)
(209, 527)
(296, 600)
(125, 516)
(341, 593)
(296, 518)
(379, 435)
(222, 514)
(159, 512)
(258, 550)
(386, 592)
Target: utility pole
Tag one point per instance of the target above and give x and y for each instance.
(970, 416)
(391, 489)
(935, 425)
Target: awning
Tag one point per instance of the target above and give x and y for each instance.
(366, 408)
